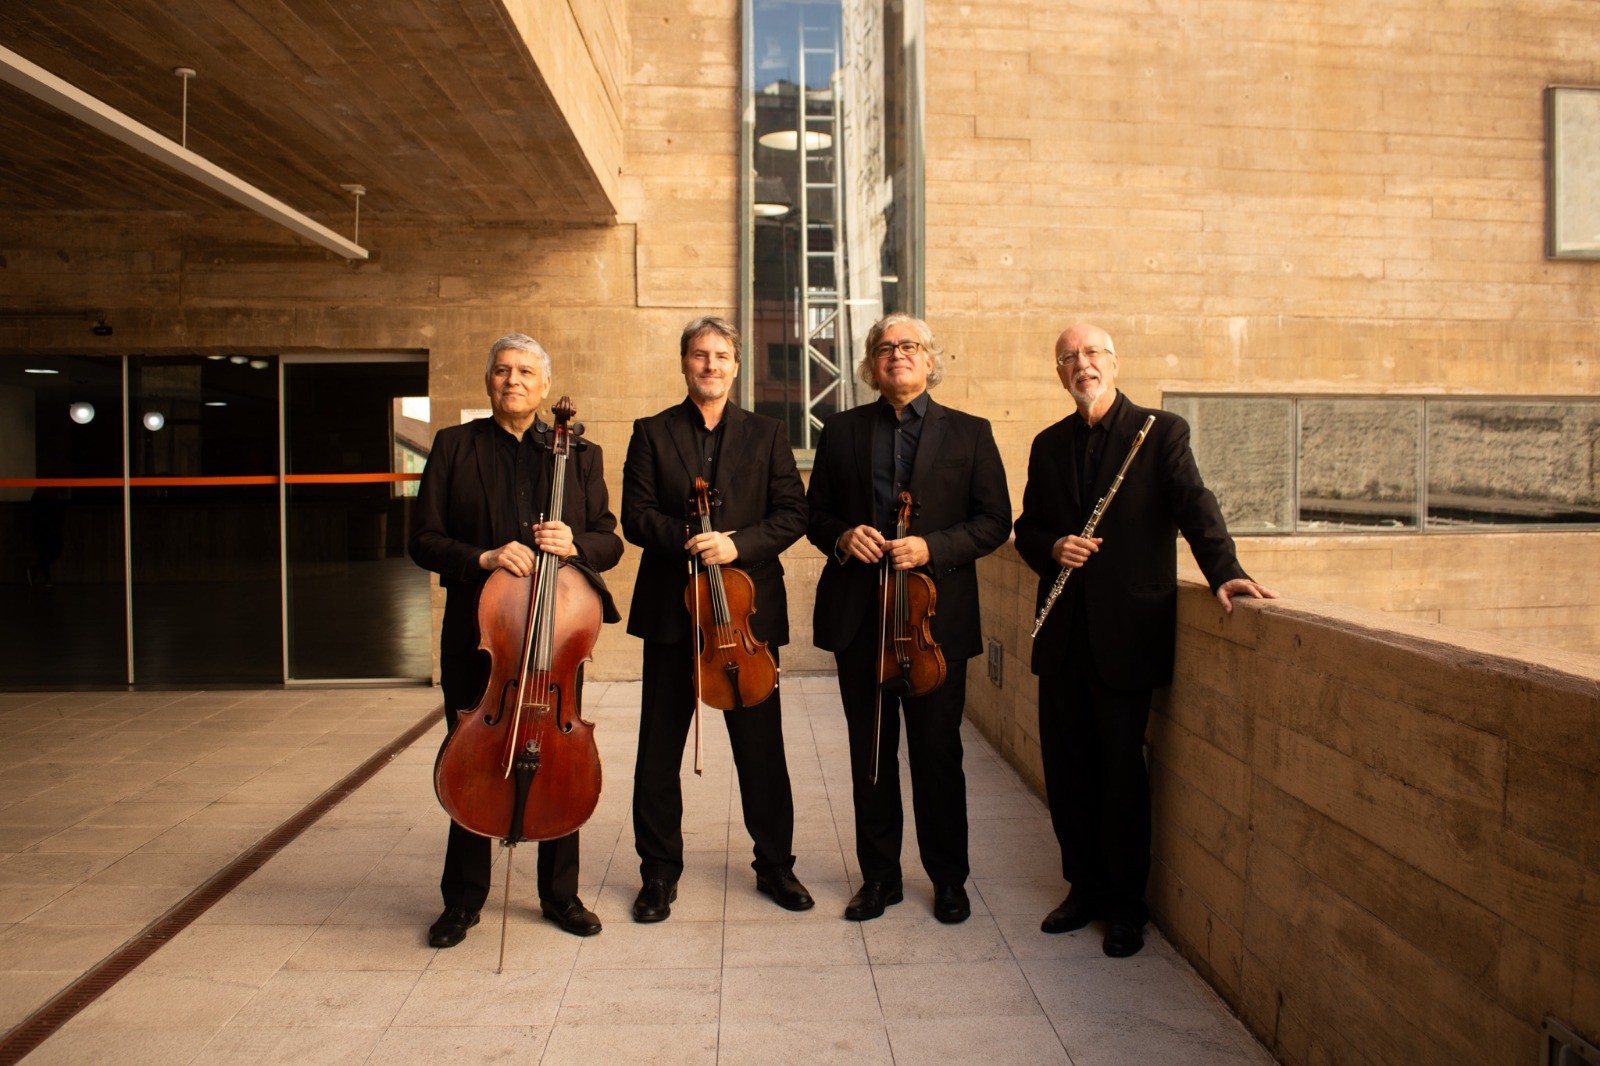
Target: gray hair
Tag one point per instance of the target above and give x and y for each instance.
(518, 342)
(924, 335)
(708, 324)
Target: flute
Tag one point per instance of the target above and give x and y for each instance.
(1089, 527)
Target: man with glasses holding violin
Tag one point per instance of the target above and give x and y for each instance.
(1108, 642)
(959, 512)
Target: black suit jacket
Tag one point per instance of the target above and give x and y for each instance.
(1130, 585)
(959, 486)
(763, 503)
(454, 521)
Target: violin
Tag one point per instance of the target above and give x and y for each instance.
(733, 670)
(522, 764)
(910, 661)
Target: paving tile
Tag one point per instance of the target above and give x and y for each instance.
(298, 1045)
(402, 1045)
(999, 1041)
(249, 953)
(328, 997)
(1147, 981)
(669, 996)
(76, 1044)
(802, 1043)
(946, 990)
(606, 1045)
(45, 946)
(1195, 1036)
(902, 938)
(160, 1001)
(779, 942)
(444, 998)
(672, 944)
(810, 993)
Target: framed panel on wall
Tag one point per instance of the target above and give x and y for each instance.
(1572, 155)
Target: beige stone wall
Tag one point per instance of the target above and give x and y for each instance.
(1374, 837)
(1255, 196)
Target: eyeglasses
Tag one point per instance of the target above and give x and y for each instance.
(1087, 355)
(905, 348)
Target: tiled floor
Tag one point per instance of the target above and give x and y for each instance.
(113, 806)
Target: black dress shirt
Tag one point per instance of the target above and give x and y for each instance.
(894, 453)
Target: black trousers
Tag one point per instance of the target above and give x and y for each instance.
(756, 735)
(933, 748)
(1091, 738)
(467, 856)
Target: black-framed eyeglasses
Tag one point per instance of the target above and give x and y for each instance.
(1087, 355)
(907, 348)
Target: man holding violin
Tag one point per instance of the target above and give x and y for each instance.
(758, 509)
(866, 458)
(483, 494)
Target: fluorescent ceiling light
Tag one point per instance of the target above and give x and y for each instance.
(786, 140)
(35, 80)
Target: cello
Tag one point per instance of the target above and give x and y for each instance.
(733, 669)
(522, 764)
(910, 661)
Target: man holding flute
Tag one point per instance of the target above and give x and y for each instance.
(1107, 642)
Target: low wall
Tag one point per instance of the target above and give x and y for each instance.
(1376, 838)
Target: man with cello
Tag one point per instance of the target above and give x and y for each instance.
(481, 507)
(868, 459)
(751, 506)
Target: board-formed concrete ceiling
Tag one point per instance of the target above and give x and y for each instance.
(433, 105)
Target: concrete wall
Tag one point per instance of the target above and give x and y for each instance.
(1374, 837)
(1256, 196)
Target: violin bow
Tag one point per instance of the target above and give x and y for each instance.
(694, 653)
(883, 636)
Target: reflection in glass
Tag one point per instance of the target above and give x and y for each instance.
(63, 609)
(1245, 450)
(831, 195)
(206, 596)
(1508, 464)
(1358, 464)
(358, 606)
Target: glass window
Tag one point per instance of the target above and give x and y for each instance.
(1358, 464)
(1245, 449)
(831, 195)
(1509, 464)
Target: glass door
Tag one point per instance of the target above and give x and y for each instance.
(63, 604)
(356, 433)
(203, 513)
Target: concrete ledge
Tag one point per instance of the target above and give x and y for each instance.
(1375, 837)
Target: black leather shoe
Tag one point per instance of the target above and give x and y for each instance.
(654, 901)
(950, 904)
(1074, 913)
(1123, 938)
(871, 898)
(571, 915)
(451, 928)
(785, 889)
